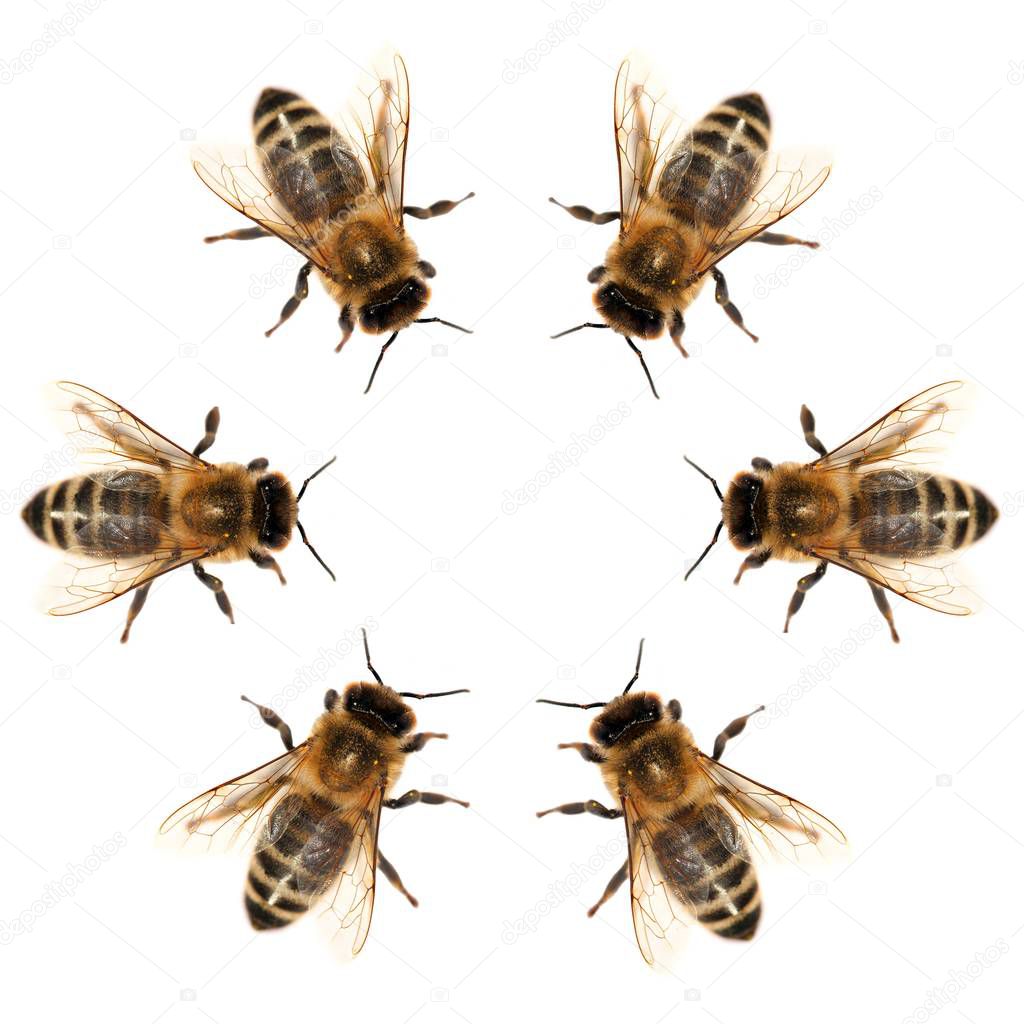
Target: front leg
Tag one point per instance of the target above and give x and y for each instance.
(264, 561)
(419, 741)
(807, 426)
(214, 584)
(414, 796)
(438, 209)
(774, 238)
(733, 729)
(274, 720)
(586, 750)
(587, 214)
(754, 561)
(584, 807)
(211, 426)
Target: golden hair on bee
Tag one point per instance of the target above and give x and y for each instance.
(873, 505)
(689, 820)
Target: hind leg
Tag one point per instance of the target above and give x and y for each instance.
(138, 600)
(610, 889)
(882, 603)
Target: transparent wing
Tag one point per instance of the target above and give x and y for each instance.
(772, 818)
(94, 581)
(351, 907)
(779, 185)
(659, 909)
(911, 434)
(381, 121)
(106, 432)
(646, 129)
(237, 807)
(239, 176)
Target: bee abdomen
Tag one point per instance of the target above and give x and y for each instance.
(731, 900)
(316, 172)
(105, 513)
(708, 176)
(306, 844)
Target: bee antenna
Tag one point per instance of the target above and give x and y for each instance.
(636, 673)
(714, 540)
(578, 327)
(369, 664)
(425, 696)
(706, 475)
(567, 704)
(305, 540)
(305, 483)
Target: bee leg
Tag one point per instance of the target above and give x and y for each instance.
(419, 741)
(807, 425)
(273, 719)
(437, 209)
(414, 796)
(587, 214)
(734, 728)
(138, 600)
(376, 366)
(211, 426)
(241, 235)
(882, 603)
(584, 807)
(217, 587)
(586, 750)
(802, 586)
(268, 562)
(754, 561)
(774, 238)
(610, 889)
(387, 869)
(301, 291)
(347, 327)
(722, 298)
(258, 465)
(675, 332)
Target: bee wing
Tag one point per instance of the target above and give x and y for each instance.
(910, 434)
(645, 132)
(352, 903)
(239, 176)
(770, 816)
(109, 433)
(238, 806)
(381, 122)
(659, 908)
(779, 184)
(95, 582)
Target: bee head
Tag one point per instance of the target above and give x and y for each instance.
(742, 510)
(380, 707)
(275, 510)
(624, 716)
(624, 311)
(395, 311)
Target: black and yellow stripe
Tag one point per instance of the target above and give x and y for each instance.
(707, 178)
(316, 172)
(704, 857)
(936, 512)
(115, 512)
(307, 845)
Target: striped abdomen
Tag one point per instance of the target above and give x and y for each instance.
(704, 858)
(305, 843)
(709, 174)
(901, 512)
(313, 167)
(117, 512)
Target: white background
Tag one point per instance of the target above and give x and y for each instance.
(913, 750)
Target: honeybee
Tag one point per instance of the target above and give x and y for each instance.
(316, 808)
(689, 819)
(869, 506)
(336, 197)
(686, 200)
(155, 507)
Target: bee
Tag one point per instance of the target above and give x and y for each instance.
(336, 197)
(686, 200)
(870, 506)
(155, 507)
(689, 819)
(315, 810)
